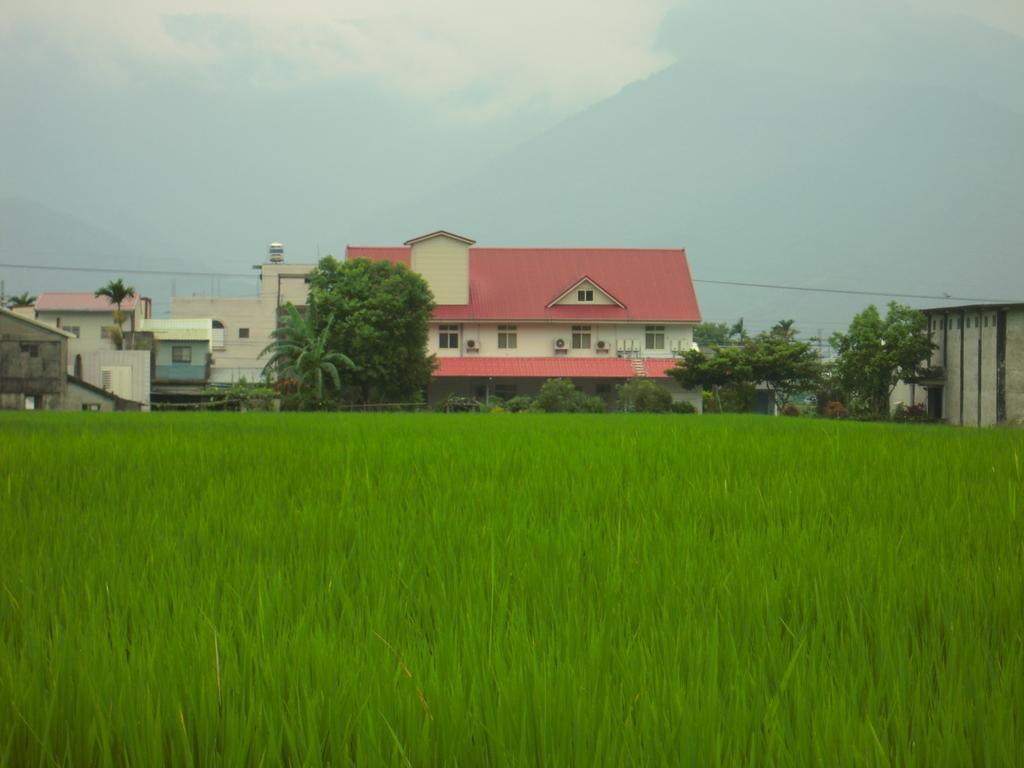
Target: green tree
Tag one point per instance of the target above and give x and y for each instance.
(726, 368)
(644, 396)
(562, 396)
(381, 317)
(117, 293)
(785, 366)
(25, 299)
(708, 335)
(301, 353)
(875, 353)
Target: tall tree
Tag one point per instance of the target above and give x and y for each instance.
(117, 293)
(25, 299)
(725, 368)
(785, 366)
(382, 317)
(301, 352)
(875, 353)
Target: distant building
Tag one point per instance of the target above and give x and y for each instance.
(507, 318)
(242, 326)
(33, 370)
(88, 319)
(976, 375)
(181, 356)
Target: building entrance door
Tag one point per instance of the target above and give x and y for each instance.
(935, 402)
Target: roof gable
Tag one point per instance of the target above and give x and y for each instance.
(36, 323)
(569, 296)
(440, 233)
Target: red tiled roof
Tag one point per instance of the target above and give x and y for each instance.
(546, 367)
(80, 302)
(658, 367)
(517, 283)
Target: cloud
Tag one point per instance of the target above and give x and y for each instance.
(488, 55)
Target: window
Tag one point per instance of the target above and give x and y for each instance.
(581, 337)
(655, 337)
(587, 295)
(181, 355)
(449, 338)
(986, 321)
(74, 330)
(30, 402)
(218, 335)
(959, 323)
(507, 337)
(32, 350)
(90, 406)
(243, 333)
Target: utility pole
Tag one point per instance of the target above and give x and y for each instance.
(3, 296)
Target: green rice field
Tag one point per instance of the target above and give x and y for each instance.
(492, 590)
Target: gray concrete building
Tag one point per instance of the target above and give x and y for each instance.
(33, 363)
(976, 375)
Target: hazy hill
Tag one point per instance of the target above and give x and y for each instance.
(880, 149)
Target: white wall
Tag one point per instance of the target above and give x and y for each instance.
(536, 339)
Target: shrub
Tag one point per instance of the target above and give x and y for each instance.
(683, 406)
(519, 403)
(834, 410)
(911, 414)
(458, 404)
(790, 410)
(562, 396)
(644, 396)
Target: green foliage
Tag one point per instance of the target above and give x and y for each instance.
(644, 396)
(300, 354)
(785, 366)
(519, 403)
(25, 299)
(562, 396)
(404, 589)
(776, 359)
(243, 395)
(116, 292)
(876, 353)
(707, 335)
(683, 407)
(911, 414)
(381, 317)
(458, 404)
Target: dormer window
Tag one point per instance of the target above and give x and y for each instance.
(585, 295)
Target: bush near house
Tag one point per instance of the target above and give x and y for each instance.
(562, 396)
(644, 396)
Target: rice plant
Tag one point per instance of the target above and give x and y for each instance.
(471, 590)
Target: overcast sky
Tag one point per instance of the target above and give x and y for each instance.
(199, 130)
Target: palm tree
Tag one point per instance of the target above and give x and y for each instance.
(116, 292)
(299, 352)
(25, 299)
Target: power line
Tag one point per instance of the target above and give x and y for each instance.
(734, 283)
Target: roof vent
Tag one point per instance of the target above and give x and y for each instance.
(275, 253)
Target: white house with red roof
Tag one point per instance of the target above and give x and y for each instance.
(507, 319)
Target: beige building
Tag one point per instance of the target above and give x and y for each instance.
(976, 375)
(89, 320)
(508, 319)
(242, 326)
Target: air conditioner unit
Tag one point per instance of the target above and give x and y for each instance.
(560, 345)
(472, 346)
(602, 346)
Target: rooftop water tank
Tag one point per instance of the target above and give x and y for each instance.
(275, 252)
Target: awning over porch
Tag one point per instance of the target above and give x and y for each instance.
(553, 367)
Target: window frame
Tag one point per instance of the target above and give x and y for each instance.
(178, 359)
(448, 336)
(651, 335)
(582, 336)
(243, 333)
(508, 337)
(585, 295)
(30, 348)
